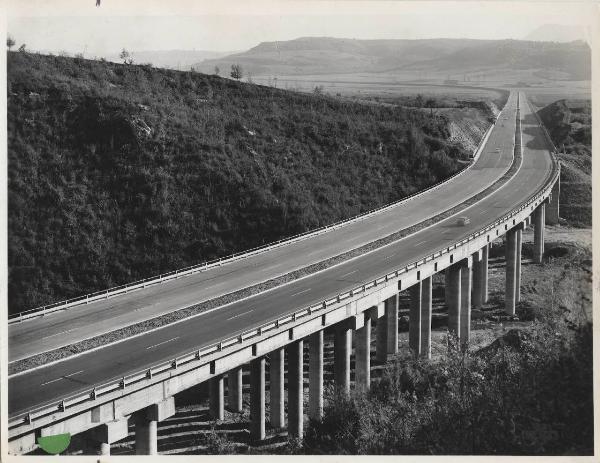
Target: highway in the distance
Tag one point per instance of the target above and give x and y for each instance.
(75, 374)
(86, 321)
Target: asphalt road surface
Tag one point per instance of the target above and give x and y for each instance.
(86, 321)
(76, 374)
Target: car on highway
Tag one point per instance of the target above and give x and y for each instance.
(462, 221)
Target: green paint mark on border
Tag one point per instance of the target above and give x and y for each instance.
(54, 444)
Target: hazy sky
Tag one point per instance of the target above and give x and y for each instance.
(225, 25)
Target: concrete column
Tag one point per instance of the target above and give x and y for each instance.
(146, 423)
(234, 390)
(341, 364)
(107, 433)
(215, 397)
(381, 338)
(485, 252)
(296, 389)
(538, 233)
(553, 206)
(477, 280)
(257, 399)
(363, 355)
(414, 320)
(146, 439)
(315, 375)
(426, 318)
(391, 312)
(519, 236)
(104, 448)
(276, 383)
(446, 286)
(465, 302)
(511, 272)
(454, 298)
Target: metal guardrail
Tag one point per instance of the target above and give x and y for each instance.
(201, 354)
(126, 288)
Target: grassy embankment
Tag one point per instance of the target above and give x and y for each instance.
(569, 124)
(119, 172)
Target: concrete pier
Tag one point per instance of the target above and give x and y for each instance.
(478, 277)
(485, 253)
(454, 298)
(519, 237)
(257, 399)
(315, 375)
(511, 272)
(539, 222)
(146, 424)
(234, 390)
(465, 302)
(215, 398)
(552, 212)
(391, 313)
(381, 338)
(296, 389)
(426, 299)
(107, 433)
(341, 363)
(146, 438)
(414, 319)
(276, 384)
(363, 355)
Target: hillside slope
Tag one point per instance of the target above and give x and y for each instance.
(326, 55)
(569, 124)
(118, 172)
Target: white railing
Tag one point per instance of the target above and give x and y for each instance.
(200, 355)
(140, 284)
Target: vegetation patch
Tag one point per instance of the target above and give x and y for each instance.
(119, 172)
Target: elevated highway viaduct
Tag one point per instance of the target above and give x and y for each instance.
(101, 391)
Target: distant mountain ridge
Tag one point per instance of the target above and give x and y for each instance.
(175, 59)
(324, 55)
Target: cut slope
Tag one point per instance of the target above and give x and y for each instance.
(119, 172)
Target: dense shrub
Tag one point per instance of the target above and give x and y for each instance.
(118, 172)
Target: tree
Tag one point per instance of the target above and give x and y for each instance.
(318, 90)
(23, 48)
(10, 42)
(126, 57)
(217, 70)
(430, 103)
(236, 71)
(419, 101)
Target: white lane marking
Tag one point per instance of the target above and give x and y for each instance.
(349, 273)
(300, 292)
(56, 334)
(62, 377)
(161, 343)
(390, 256)
(240, 314)
(421, 242)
